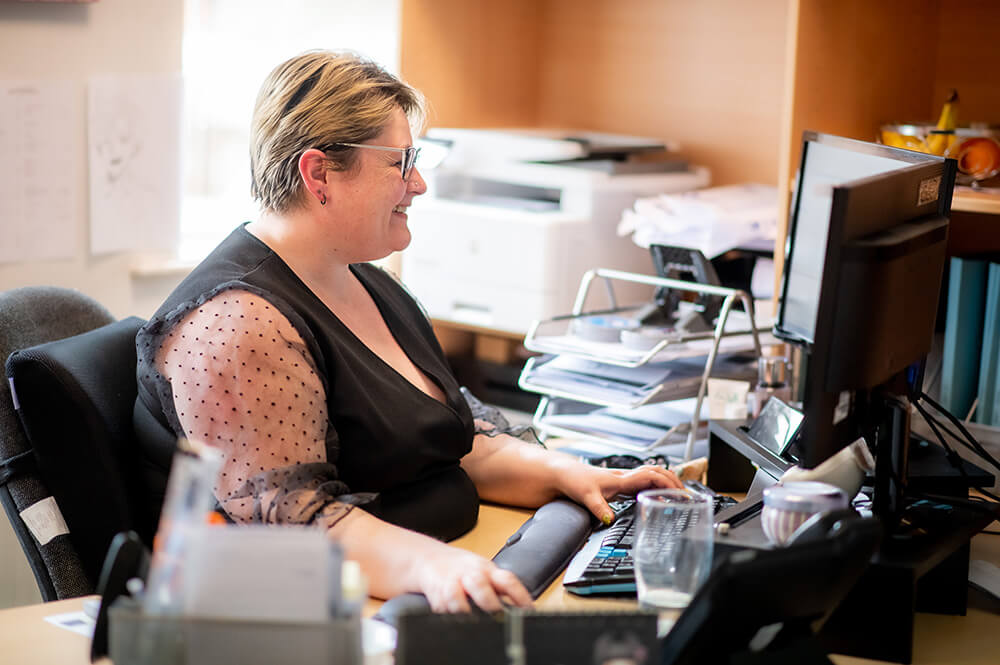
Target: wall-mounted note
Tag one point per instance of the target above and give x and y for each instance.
(135, 170)
(41, 154)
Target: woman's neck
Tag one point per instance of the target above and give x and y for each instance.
(297, 240)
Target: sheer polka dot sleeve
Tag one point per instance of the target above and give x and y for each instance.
(243, 380)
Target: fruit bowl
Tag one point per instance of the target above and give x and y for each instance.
(975, 148)
(910, 136)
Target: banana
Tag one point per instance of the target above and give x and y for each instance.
(906, 141)
(937, 143)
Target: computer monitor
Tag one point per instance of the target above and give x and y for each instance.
(864, 261)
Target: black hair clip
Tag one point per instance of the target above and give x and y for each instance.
(302, 91)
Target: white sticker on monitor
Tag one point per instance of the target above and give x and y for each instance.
(929, 190)
(843, 407)
(44, 520)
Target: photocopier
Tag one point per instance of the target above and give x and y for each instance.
(513, 219)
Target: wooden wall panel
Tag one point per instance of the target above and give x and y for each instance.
(859, 64)
(856, 65)
(968, 58)
(477, 62)
(734, 82)
(707, 74)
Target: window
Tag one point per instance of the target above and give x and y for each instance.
(229, 47)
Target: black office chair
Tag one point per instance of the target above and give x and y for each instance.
(67, 452)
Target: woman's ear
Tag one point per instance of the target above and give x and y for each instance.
(313, 170)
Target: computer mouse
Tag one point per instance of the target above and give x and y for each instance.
(404, 603)
(820, 526)
(410, 603)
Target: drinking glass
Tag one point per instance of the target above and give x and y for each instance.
(673, 546)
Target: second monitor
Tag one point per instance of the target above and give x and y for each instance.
(864, 263)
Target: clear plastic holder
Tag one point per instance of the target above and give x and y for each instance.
(189, 499)
(618, 354)
(137, 638)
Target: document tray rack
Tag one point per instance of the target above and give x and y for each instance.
(554, 336)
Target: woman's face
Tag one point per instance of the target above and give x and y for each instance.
(372, 199)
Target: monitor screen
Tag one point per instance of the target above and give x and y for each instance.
(865, 257)
(823, 167)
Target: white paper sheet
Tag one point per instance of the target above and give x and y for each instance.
(78, 622)
(134, 155)
(40, 157)
(727, 399)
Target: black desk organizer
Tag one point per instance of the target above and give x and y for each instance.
(140, 639)
(529, 638)
(912, 571)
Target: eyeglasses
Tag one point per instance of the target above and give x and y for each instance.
(408, 155)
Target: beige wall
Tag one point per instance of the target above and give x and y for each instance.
(70, 42)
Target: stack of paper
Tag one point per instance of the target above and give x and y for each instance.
(713, 220)
(627, 387)
(639, 427)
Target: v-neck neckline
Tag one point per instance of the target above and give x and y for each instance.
(386, 313)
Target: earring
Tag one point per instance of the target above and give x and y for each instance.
(322, 201)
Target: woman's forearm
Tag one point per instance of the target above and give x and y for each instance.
(387, 553)
(514, 472)
(508, 470)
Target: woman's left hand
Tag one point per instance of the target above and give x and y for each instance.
(592, 486)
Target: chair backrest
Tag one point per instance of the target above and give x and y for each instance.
(75, 398)
(64, 449)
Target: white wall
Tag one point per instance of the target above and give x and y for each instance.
(71, 42)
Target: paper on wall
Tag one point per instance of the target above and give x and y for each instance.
(134, 157)
(40, 157)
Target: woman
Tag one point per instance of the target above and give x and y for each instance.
(318, 375)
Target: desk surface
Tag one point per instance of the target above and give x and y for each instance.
(26, 639)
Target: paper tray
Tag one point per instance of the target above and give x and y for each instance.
(141, 639)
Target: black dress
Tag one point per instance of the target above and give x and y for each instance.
(384, 436)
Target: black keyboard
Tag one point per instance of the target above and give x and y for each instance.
(605, 564)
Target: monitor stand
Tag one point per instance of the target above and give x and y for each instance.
(922, 565)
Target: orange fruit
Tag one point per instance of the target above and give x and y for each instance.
(978, 157)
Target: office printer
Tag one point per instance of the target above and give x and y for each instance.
(513, 219)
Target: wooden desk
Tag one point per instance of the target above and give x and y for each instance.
(27, 639)
(496, 524)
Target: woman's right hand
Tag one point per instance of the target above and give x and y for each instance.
(398, 561)
(451, 577)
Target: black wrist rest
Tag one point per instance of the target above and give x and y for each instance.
(536, 553)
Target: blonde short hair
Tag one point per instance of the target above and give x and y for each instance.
(315, 100)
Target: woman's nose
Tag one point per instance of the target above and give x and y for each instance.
(416, 183)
